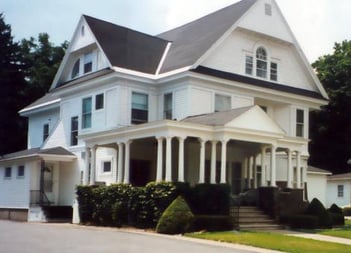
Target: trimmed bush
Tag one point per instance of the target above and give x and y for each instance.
(316, 208)
(337, 215)
(210, 199)
(346, 211)
(335, 209)
(212, 223)
(176, 218)
(303, 221)
(86, 205)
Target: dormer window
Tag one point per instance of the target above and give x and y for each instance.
(261, 62)
(88, 62)
(75, 69)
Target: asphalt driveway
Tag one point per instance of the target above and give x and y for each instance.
(16, 237)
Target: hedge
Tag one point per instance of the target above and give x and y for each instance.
(303, 221)
(212, 223)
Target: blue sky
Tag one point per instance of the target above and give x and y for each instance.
(317, 24)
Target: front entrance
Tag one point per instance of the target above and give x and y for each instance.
(140, 172)
(236, 181)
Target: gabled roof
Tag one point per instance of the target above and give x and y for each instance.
(315, 170)
(37, 152)
(344, 176)
(48, 99)
(126, 48)
(191, 41)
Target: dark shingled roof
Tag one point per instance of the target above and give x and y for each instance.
(47, 98)
(126, 48)
(191, 41)
(217, 118)
(60, 151)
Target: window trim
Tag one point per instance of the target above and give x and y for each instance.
(46, 131)
(103, 166)
(8, 172)
(135, 120)
(102, 102)
(340, 190)
(223, 96)
(19, 169)
(75, 72)
(85, 114)
(168, 112)
(300, 125)
(75, 131)
(88, 62)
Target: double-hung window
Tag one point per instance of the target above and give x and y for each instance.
(75, 69)
(74, 131)
(168, 106)
(340, 191)
(20, 171)
(222, 103)
(86, 112)
(274, 71)
(140, 108)
(249, 65)
(106, 166)
(99, 101)
(88, 62)
(8, 172)
(45, 131)
(261, 65)
(261, 62)
(300, 123)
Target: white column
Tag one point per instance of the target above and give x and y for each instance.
(159, 168)
(246, 180)
(114, 167)
(273, 166)
(120, 163)
(250, 171)
(224, 162)
(213, 161)
(263, 167)
(290, 169)
(181, 160)
(87, 165)
(169, 159)
(93, 165)
(255, 171)
(202, 162)
(298, 169)
(127, 163)
(304, 176)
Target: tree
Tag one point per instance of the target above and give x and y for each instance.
(330, 128)
(12, 135)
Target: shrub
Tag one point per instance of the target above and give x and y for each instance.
(210, 199)
(176, 218)
(86, 206)
(337, 219)
(346, 211)
(317, 209)
(212, 223)
(335, 209)
(303, 221)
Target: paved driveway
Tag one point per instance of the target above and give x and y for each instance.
(18, 237)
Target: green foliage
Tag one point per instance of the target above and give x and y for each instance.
(316, 208)
(212, 223)
(176, 218)
(86, 205)
(346, 211)
(337, 215)
(210, 199)
(303, 221)
(330, 128)
(335, 209)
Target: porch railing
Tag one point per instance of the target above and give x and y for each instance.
(234, 210)
(39, 198)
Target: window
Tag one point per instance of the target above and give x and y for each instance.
(140, 107)
(249, 65)
(8, 172)
(340, 191)
(20, 171)
(106, 166)
(222, 103)
(99, 101)
(86, 113)
(82, 30)
(75, 69)
(274, 71)
(300, 123)
(74, 131)
(261, 62)
(45, 131)
(88, 62)
(167, 106)
(268, 9)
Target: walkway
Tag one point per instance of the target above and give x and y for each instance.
(318, 237)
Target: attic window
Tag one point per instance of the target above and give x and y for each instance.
(268, 9)
(75, 69)
(82, 30)
(88, 62)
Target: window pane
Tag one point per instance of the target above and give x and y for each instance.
(261, 54)
(340, 190)
(139, 108)
(88, 62)
(75, 69)
(107, 167)
(8, 172)
(20, 171)
(222, 103)
(261, 69)
(74, 131)
(167, 105)
(45, 131)
(249, 65)
(274, 71)
(299, 123)
(86, 112)
(99, 101)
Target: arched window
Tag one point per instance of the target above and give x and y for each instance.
(75, 69)
(261, 62)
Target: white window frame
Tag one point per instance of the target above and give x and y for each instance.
(300, 124)
(46, 131)
(168, 111)
(340, 190)
(5, 172)
(84, 114)
(217, 95)
(103, 102)
(18, 171)
(134, 120)
(103, 161)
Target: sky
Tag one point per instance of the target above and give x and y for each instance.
(317, 24)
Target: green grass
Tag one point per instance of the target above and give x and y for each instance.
(274, 241)
(344, 232)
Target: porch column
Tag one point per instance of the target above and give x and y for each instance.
(304, 176)
(224, 162)
(86, 169)
(298, 169)
(159, 159)
(263, 167)
(120, 163)
(202, 161)
(245, 173)
(181, 160)
(127, 162)
(250, 171)
(169, 159)
(290, 169)
(213, 161)
(92, 165)
(255, 172)
(273, 166)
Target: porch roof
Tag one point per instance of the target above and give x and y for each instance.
(338, 177)
(53, 154)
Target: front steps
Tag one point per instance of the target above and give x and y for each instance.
(251, 218)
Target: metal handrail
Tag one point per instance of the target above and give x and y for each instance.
(38, 197)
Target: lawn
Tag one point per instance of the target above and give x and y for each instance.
(344, 232)
(274, 241)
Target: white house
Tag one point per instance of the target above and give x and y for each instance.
(339, 190)
(223, 99)
(317, 180)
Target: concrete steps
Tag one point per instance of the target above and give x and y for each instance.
(251, 218)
